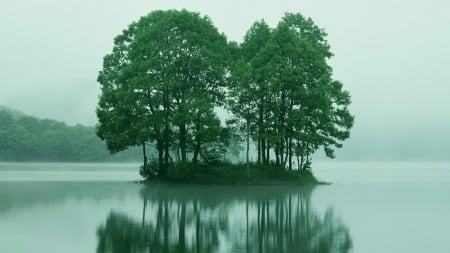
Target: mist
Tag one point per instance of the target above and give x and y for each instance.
(391, 56)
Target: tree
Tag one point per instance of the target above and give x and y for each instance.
(254, 41)
(169, 71)
(164, 76)
(26, 138)
(319, 100)
(242, 103)
(245, 84)
(298, 107)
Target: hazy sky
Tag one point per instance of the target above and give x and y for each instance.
(393, 57)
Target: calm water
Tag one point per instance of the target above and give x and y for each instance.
(371, 207)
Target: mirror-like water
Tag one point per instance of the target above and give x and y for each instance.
(369, 208)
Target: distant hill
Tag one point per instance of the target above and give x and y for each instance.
(26, 138)
(14, 113)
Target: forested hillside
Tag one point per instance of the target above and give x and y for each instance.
(26, 138)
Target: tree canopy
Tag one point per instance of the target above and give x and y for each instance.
(170, 72)
(26, 138)
(299, 107)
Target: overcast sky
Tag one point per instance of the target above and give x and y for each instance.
(392, 55)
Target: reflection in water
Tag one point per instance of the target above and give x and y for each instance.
(225, 219)
(15, 196)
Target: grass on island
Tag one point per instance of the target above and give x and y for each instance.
(229, 174)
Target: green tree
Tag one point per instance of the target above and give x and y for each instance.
(161, 83)
(242, 103)
(254, 41)
(286, 95)
(245, 84)
(26, 138)
(169, 71)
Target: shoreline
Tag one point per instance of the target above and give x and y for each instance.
(148, 182)
(234, 175)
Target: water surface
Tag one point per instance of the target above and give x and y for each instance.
(370, 207)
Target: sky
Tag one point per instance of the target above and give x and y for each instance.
(391, 55)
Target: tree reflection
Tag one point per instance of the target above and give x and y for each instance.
(226, 219)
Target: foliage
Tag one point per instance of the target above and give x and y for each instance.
(169, 72)
(26, 138)
(161, 83)
(298, 107)
(232, 173)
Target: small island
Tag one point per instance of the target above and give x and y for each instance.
(232, 174)
(175, 86)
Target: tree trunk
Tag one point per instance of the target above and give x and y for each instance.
(197, 145)
(166, 134)
(247, 156)
(290, 149)
(302, 163)
(287, 152)
(183, 142)
(277, 153)
(196, 152)
(307, 157)
(259, 148)
(263, 151)
(281, 152)
(159, 147)
(145, 157)
(166, 148)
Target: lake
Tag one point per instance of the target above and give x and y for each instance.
(370, 207)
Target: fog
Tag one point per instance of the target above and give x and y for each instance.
(393, 57)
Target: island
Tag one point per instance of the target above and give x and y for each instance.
(174, 84)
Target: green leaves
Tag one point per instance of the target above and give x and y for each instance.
(295, 107)
(170, 70)
(161, 82)
(25, 138)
